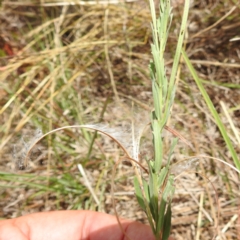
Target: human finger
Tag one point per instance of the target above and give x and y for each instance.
(71, 225)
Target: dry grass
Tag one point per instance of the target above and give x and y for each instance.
(74, 64)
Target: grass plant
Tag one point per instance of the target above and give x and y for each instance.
(155, 195)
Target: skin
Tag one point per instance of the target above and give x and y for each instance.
(71, 225)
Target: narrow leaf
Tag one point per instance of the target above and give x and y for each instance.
(162, 176)
(167, 223)
(138, 193)
(157, 146)
(161, 216)
(212, 110)
(156, 99)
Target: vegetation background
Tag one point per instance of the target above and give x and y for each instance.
(79, 62)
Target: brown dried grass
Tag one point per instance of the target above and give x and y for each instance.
(62, 70)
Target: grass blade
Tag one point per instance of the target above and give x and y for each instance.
(167, 223)
(138, 193)
(212, 110)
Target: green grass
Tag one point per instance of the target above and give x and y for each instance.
(213, 112)
(58, 188)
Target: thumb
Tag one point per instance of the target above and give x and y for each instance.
(72, 225)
